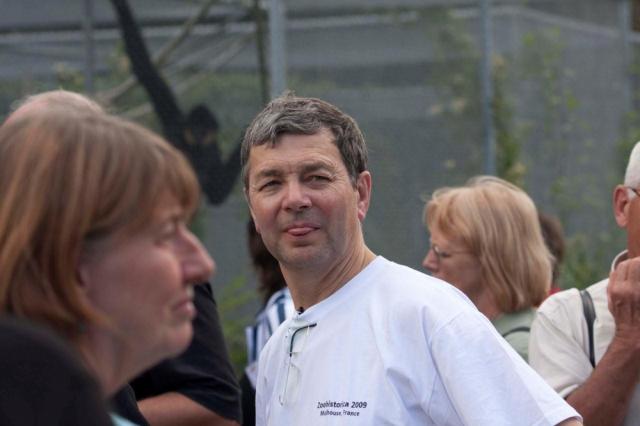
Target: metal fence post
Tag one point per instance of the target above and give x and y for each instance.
(87, 25)
(487, 88)
(624, 18)
(277, 44)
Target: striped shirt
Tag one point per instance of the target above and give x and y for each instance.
(276, 311)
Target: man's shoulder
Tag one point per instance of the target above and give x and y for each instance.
(402, 292)
(569, 300)
(401, 277)
(598, 291)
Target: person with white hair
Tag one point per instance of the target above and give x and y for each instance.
(587, 344)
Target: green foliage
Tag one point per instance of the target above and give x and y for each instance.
(587, 260)
(455, 79)
(587, 254)
(233, 300)
(539, 63)
(459, 86)
(508, 136)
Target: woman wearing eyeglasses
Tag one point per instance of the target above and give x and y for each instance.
(486, 241)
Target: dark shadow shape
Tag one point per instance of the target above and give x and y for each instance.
(195, 134)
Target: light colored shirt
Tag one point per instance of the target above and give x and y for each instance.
(559, 342)
(396, 347)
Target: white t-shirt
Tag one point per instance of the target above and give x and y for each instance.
(559, 341)
(396, 347)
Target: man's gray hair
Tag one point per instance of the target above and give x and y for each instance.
(632, 175)
(294, 115)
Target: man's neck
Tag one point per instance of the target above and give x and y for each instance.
(310, 286)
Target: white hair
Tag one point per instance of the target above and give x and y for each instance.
(632, 175)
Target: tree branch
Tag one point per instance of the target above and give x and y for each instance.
(160, 59)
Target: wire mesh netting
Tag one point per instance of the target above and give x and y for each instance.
(564, 102)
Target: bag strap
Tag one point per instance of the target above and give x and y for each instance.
(590, 316)
(522, 328)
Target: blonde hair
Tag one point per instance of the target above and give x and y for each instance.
(498, 223)
(68, 176)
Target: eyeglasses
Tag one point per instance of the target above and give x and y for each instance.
(295, 347)
(441, 254)
(635, 191)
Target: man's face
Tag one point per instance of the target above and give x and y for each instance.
(304, 205)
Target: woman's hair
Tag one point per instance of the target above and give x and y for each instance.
(498, 223)
(69, 176)
(267, 267)
(553, 235)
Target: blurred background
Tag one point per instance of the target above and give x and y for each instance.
(542, 93)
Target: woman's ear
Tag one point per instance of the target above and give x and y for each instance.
(82, 272)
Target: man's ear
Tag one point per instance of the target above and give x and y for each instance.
(621, 203)
(363, 188)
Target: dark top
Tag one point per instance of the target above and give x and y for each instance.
(203, 373)
(43, 382)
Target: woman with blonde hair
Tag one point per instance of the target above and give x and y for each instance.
(486, 241)
(93, 238)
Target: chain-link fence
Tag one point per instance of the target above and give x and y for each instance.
(564, 99)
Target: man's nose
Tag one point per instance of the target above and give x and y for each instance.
(296, 196)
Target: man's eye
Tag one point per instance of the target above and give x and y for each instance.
(269, 184)
(319, 178)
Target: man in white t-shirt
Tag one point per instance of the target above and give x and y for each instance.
(373, 342)
(559, 346)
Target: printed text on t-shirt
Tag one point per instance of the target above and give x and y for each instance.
(341, 408)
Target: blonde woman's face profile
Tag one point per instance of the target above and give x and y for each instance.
(448, 260)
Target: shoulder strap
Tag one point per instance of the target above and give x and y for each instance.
(590, 316)
(522, 328)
